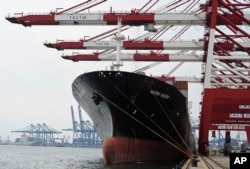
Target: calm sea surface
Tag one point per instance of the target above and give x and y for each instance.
(34, 157)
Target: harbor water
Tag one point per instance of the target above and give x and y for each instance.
(38, 157)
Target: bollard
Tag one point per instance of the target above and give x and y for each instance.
(194, 162)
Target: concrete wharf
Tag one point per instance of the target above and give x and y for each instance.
(213, 161)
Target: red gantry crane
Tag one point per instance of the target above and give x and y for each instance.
(226, 102)
(224, 50)
(144, 45)
(77, 15)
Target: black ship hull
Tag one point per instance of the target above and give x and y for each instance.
(138, 118)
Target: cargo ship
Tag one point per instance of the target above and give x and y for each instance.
(26, 140)
(137, 117)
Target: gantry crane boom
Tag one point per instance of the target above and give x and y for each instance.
(165, 78)
(74, 122)
(132, 18)
(144, 45)
(80, 118)
(152, 56)
(111, 18)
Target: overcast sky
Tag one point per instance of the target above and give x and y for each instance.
(35, 82)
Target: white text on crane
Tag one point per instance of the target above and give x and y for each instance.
(77, 17)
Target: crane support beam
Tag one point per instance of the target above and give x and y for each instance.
(231, 127)
(132, 18)
(142, 45)
(135, 57)
(179, 79)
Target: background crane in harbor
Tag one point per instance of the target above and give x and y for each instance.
(84, 132)
(40, 132)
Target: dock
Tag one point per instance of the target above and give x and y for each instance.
(205, 162)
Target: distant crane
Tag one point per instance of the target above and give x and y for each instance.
(84, 133)
(40, 132)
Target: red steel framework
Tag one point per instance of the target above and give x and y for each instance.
(146, 44)
(225, 50)
(226, 102)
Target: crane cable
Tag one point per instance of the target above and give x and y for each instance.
(170, 120)
(141, 123)
(178, 146)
